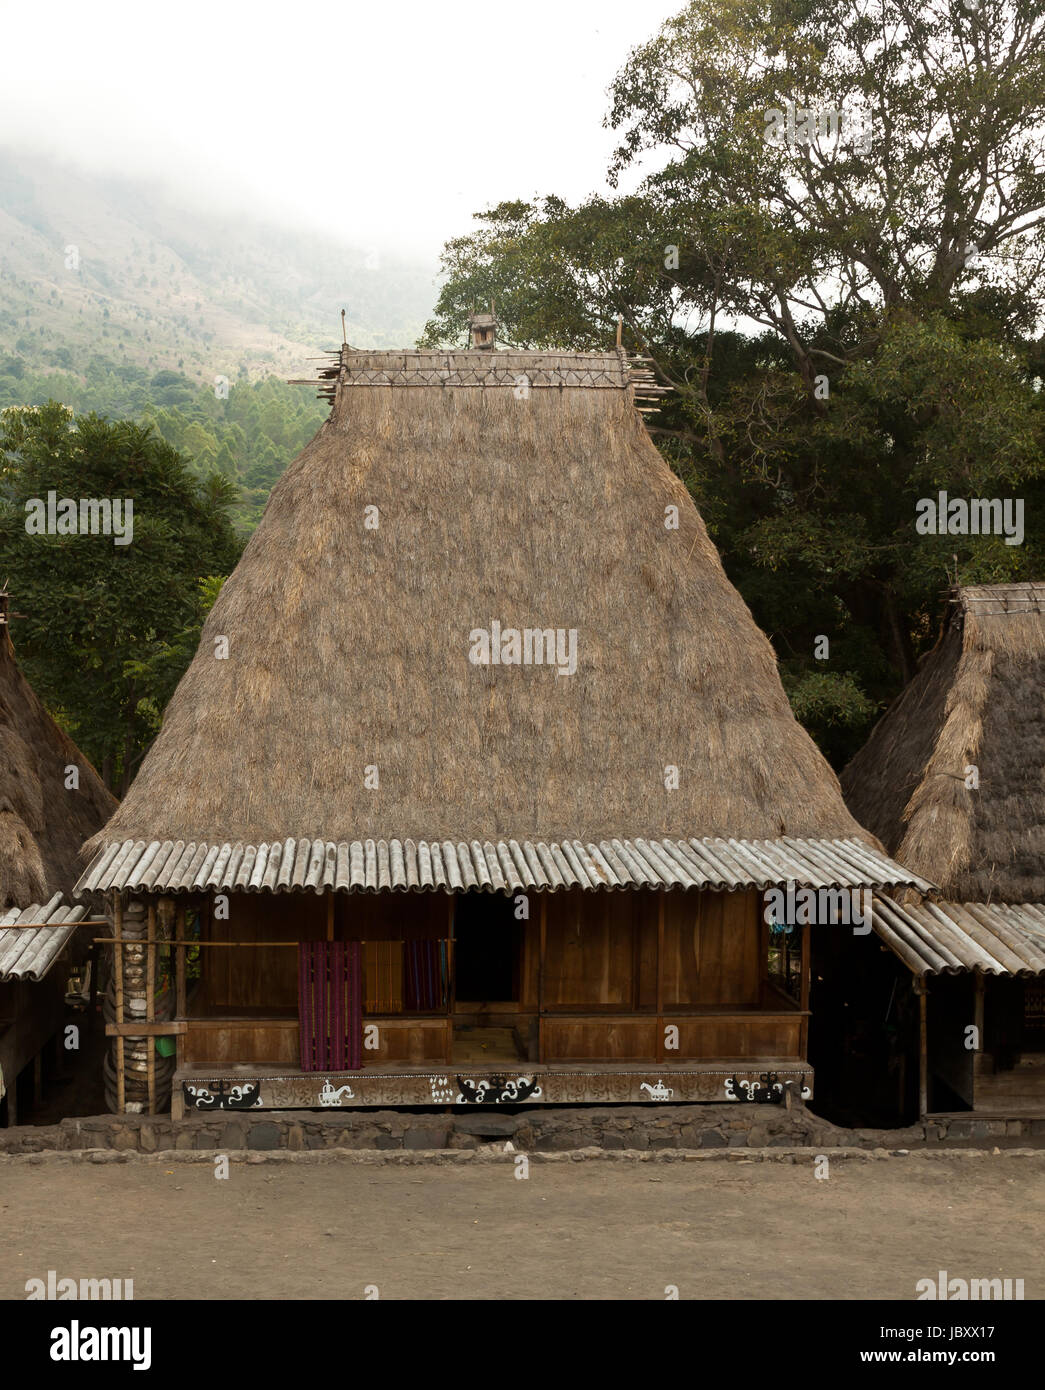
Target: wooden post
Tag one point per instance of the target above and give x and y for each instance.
(38, 1077)
(121, 1080)
(540, 977)
(181, 1009)
(923, 1049)
(804, 999)
(150, 999)
(181, 993)
(660, 976)
(451, 984)
(330, 915)
(979, 985)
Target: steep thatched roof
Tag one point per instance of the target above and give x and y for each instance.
(42, 825)
(516, 488)
(976, 701)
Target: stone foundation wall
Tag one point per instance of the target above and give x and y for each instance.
(534, 1129)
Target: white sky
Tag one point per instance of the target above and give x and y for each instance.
(385, 124)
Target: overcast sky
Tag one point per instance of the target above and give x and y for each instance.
(382, 123)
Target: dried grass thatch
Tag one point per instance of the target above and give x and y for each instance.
(42, 825)
(349, 647)
(976, 701)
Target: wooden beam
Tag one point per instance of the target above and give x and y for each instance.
(660, 976)
(923, 1049)
(451, 984)
(156, 1028)
(978, 985)
(150, 999)
(181, 991)
(540, 976)
(121, 1077)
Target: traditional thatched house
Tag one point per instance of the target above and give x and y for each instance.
(952, 781)
(478, 667)
(50, 798)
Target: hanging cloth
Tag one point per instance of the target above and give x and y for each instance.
(383, 977)
(330, 981)
(425, 976)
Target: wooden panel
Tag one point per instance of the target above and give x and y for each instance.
(635, 1039)
(683, 940)
(252, 976)
(598, 1039)
(729, 943)
(407, 1040)
(390, 916)
(529, 985)
(225, 1042)
(756, 1035)
(589, 950)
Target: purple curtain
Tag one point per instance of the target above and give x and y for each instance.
(425, 976)
(330, 1005)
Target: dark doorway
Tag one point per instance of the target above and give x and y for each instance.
(487, 941)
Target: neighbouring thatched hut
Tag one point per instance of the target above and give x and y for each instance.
(478, 668)
(952, 781)
(50, 799)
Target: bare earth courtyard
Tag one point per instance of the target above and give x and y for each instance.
(573, 1230)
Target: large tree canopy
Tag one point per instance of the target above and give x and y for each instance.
(833, 250)
(108, 629)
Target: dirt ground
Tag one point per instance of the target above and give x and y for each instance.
(577, 1230)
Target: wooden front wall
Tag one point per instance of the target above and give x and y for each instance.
(603, 995)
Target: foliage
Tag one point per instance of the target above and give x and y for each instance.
(107, 629)
(847, 304)
(248, 437)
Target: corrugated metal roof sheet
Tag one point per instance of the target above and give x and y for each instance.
(504, 865)
(944, 938)
(27, 954)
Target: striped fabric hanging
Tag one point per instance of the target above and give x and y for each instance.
(330, 999)
(383, 977)
(425, 970)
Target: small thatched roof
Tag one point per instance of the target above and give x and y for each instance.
(42, 825)
(521, 489)
(976, 701)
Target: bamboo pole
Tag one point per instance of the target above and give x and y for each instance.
(923, 1051)
(40, 926)
(660, 976)
(150, 1000)
(540, 977)
(121, 1083)
(181, 994)
(219, 945)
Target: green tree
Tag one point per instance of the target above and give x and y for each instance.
(833, 253)
(98, 613)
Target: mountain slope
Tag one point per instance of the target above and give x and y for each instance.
(101, 268)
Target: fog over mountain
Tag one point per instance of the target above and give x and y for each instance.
(101, 266)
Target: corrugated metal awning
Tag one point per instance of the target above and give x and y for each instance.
(27, 954)
(945, 938)
(504, 865)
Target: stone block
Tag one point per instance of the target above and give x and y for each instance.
(264, 1135)
(494, 1125)
(426, 1137)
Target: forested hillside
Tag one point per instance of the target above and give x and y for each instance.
(114, 298)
